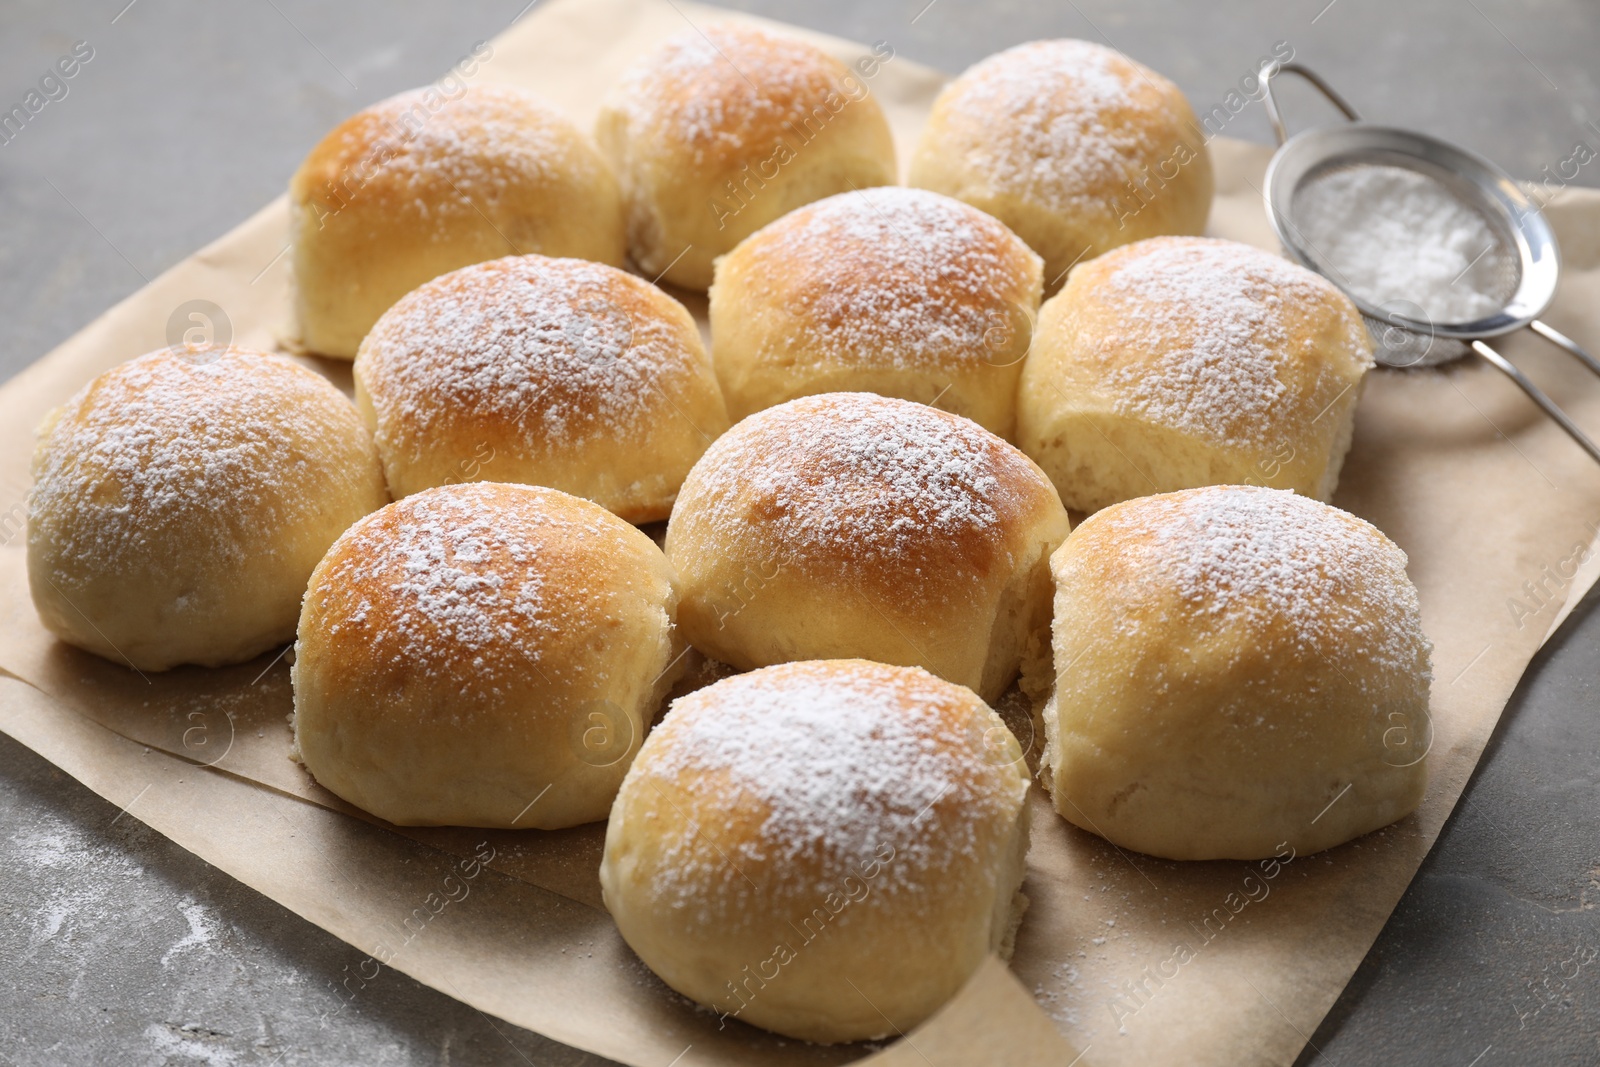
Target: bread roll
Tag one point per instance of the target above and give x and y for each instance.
(852, 525)
(553, 372)
(483, 655)
(716, 133)
(895, 291)
(1073, 145)
(1239, 668)
(421, 184)
(1180, 362)
(181, 500)
(825, 849)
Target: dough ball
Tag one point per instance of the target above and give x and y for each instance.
(716, 133)
(423, 183)
(1073, 145)
(1238, 668)
(851, 525)
(1181, 361)
(895, 291)
(825, 849)
(483, 655)
(555, 372)
(181, 500)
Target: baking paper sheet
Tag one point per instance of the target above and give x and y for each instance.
(1122, 958)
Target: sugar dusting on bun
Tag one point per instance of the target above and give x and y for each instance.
(1231, 661)
(557, 372)
(852, 832)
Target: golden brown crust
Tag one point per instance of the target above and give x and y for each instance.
(718, 132)
(1312, 328)
(870, 490)
(713, 99)
(850, 524)
(858, 820)
(835, 244)
(398, 158)
(553, 372)
(421, 184)
(1233, 659)
(1198, 361)
(396, 621)
(182, 498)
(453, 645)
(1073, 145)
(895, 291)
(743, 808)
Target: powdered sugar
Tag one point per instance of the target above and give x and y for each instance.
(177, 435)
(546, 345)
(1216, 315)
(827, 768)
(78, 882)
(1273, 560)
(893, 277)
(479, 143)
(1055, 121)
(203, 930)
(726, 88)
(1393, 234)
(863, 480)
(450, 574)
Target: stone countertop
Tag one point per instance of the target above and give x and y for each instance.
(119, 946)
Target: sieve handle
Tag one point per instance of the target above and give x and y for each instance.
(1537, 395)
(1556, 337)
(1273, 69)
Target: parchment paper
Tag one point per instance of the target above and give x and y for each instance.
(1122, 958)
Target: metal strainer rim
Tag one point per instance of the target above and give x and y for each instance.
(1533, 246)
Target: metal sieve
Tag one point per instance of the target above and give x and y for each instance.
(1524, 263)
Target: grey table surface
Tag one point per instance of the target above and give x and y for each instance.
(120, 947)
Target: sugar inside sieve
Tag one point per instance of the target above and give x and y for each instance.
(1438, 248)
